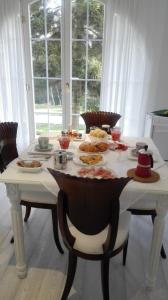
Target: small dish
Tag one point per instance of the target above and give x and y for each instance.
(28, 169)
(37, 148)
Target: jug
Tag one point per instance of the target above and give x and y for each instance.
(145, 163)
(60, 160)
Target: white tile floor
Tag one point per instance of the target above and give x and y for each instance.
(47, 268)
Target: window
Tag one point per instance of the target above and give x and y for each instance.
(66, 40)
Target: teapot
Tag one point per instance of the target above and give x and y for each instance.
(145, 163)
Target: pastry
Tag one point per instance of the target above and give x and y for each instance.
(93, 147)
(91, 159)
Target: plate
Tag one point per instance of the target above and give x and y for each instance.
(29, 170)
(86, 146)
(98, 140)
(132, 156)
(99, 152)
(78, 139)
(118, 146)
(37, 148)
(77, 161)
(97, 172)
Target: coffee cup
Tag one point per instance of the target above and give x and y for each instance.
(43, 142)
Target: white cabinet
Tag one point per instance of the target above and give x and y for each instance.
(156, 127)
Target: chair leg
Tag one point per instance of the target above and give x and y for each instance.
(27, 213)
(105, 278)
(12, 240)
(125, 253)
(162, 251)
(70, 275)
(55, 229)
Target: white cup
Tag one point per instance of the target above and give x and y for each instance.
(43, 142)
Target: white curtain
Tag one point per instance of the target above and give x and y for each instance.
(133, 42)
(13, 104)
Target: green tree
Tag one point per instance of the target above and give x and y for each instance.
(87, 35)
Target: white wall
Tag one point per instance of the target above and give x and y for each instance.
(158, 98)
(161, 98)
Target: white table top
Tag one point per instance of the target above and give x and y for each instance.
(117, 161)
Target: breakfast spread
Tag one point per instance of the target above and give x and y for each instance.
(93, 147)
(91, 159)
(96, 173)
(30, 164)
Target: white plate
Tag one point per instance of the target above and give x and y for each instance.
(29, 170)
(98, 140)
(99, 152)
(37, 148)
(86, 173)
(78, 162)
(133, 157)
(78, 139)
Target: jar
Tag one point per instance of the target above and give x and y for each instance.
(60, 160)
(106, 128)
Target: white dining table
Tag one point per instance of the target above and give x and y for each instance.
(119, 162)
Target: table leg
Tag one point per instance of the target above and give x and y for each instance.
(157, 239)
(16, 214)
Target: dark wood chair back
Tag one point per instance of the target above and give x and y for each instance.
(98, 118)
(90, 204)
(8, 148)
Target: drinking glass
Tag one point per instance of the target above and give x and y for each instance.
(64, 142)
(116, 133)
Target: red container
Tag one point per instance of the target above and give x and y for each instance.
(116, 134)
(145, 163)
(64, 142)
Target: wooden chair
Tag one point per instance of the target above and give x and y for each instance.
(31, 196)
(98, 118)
(95, 230)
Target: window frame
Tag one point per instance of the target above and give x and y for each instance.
(66, 68)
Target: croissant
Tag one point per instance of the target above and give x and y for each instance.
(93, 147)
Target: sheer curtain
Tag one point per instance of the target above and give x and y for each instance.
(133, 39)
(13, 104)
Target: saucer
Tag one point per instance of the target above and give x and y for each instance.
(153, 178)
(37, 148)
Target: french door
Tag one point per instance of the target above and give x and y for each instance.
(63, 58)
